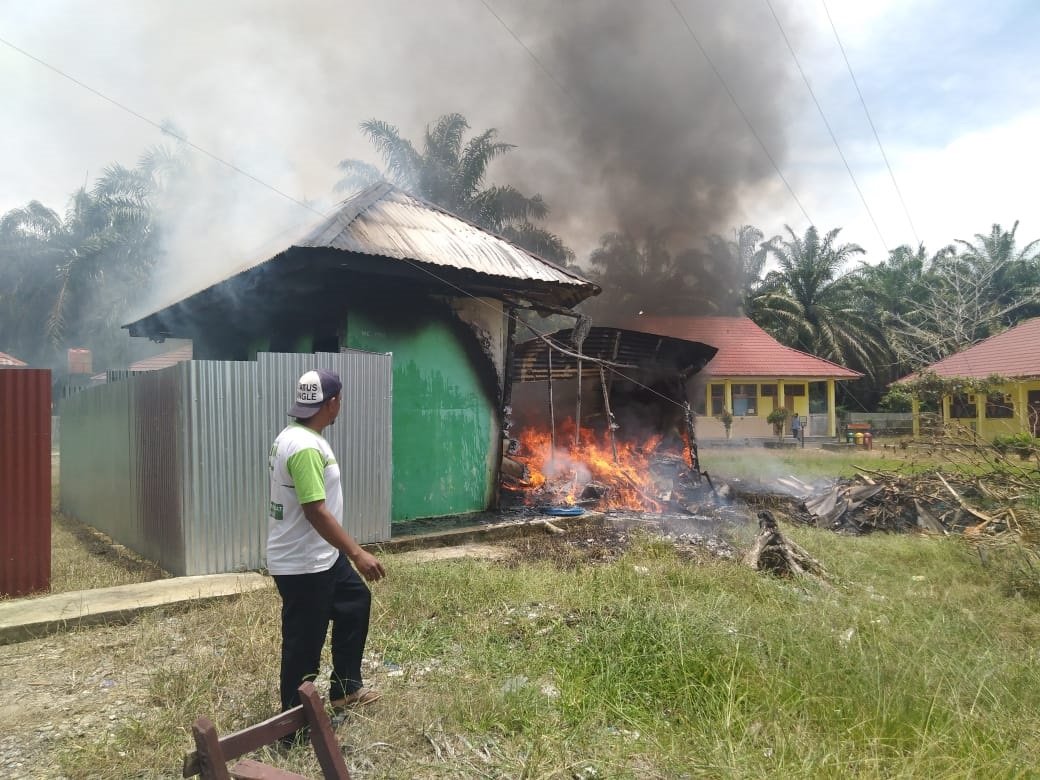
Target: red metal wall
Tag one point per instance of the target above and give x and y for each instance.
(25, 480)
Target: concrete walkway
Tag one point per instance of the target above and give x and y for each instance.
(28, 618)
(22, 619)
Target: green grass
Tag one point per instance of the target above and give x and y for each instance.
(758, 463)
(914, 664)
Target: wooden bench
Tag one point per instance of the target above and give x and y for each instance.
(211, 754)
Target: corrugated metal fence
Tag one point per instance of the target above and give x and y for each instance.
(173, 463)
(25, 480)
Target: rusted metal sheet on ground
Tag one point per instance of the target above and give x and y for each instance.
(25, 480)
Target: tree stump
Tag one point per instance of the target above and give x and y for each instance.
(772, 552)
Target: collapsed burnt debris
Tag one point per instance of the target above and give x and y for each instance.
(651, 479)
(602, 420)
(898, 503)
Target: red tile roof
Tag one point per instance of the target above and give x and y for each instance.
(1015, 353)
(10, 360)
(745, 350)
(164, 360)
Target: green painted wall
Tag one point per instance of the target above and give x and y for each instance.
(444, 422)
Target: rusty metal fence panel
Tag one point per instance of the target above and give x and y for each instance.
(173, 463)
(25, 480)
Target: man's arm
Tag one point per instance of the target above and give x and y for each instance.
(331, 531)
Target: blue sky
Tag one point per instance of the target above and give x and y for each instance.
(952, 90)
(951, 86)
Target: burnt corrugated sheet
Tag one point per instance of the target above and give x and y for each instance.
(627, 351)
(25, 480)
(156, 402)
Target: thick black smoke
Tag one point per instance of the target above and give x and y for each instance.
(639, 134)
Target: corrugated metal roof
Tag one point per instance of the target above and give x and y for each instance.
(1015, 353)
(383, 221)
(745, 350)
(10, 360)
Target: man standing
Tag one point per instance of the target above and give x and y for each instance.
(796, 427)
(308, 548)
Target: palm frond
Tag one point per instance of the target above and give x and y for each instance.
(443, 141)
(478, 154)
(357, 175)
(402, 161)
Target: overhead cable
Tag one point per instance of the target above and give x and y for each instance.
(870, 120)
(823, 116)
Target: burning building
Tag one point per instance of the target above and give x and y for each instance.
(388, 272)
(599, 415)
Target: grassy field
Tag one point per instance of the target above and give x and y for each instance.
(913, 662)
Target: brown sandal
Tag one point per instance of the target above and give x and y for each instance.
(358, 698)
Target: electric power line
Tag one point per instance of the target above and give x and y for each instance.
(823, 116)
(740, 110)
(155, 124)
(871, 121)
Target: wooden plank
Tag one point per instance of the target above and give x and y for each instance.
(323, 738)
(209, 758)
(250, 739)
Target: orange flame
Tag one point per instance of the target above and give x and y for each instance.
(567, 471)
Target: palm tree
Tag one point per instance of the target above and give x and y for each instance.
(739, 263)
(642, 274)
(70, 279)
(28, 279)
(810, 303)
(451, 174)
(1013, 275)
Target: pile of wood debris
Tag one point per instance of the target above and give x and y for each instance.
(930, 502)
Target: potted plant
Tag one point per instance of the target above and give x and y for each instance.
(727, 420)
(777, 418)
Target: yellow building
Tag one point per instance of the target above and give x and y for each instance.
(1010, 407)
(751, 375)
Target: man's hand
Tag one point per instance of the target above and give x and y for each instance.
(368, 565)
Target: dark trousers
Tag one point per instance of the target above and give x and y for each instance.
(309, 602)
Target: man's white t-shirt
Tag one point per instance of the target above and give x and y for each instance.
(303, 469)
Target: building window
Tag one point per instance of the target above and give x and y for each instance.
(745, 400)
(962, 407)
(999, 406)
(794, 390)
(718, 399)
